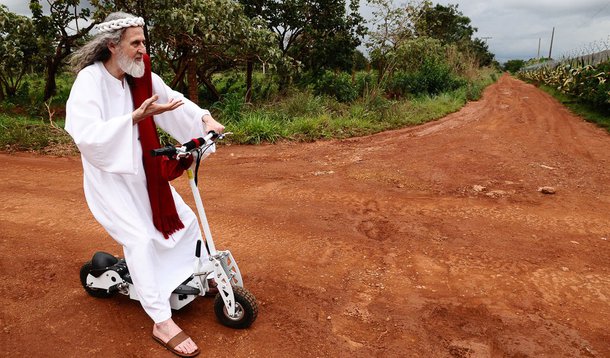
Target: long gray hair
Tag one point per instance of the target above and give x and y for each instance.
(97, 48)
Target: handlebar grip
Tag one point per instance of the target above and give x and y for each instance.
(193, 143)
(168, 151)
(198, 142)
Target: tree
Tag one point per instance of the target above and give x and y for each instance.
(204, 37)
(317, 34)
(445, 23)
(392, 26)
(513, 66)
(360, 62)
(450, 26)
(481, 52)
(17, 50)
(199, 38)
(58, 33)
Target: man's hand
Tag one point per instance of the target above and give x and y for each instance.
(212, 125)
(151, 108)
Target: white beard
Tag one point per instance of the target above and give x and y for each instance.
(131, 67)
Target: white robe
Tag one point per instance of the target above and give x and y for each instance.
(98, 117)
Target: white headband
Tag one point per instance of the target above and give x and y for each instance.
(119, 24)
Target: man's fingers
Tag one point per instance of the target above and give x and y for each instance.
(148, 101)
(175, 104)
(150, 108)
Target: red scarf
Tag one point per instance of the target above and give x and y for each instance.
(158, 169)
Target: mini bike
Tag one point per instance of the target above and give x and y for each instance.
(234, 306)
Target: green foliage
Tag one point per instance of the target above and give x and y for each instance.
(592, 85)
(588, 83)
(360, 62)
(29, 99)
(229, 110)
(411, 54)
(432, 77)
(299, 115)
(58, 32)
(338, 85)
(405, 36)
(257, 127)
(445, 23)
(199, 38)
(19, 133)
(366, 83)
(301, 104)
(317, 34)
(391, 27)
(17, 51)
(514, 66)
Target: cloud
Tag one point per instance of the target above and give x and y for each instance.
(515, 27)
(20, 7)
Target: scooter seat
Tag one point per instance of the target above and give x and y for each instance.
(102, 260)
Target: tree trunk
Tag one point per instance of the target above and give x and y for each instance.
(50, 85)
(179, 74)
(249, 70)
(210, 86)
(191, 78)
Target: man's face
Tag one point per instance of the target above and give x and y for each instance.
(130, 50)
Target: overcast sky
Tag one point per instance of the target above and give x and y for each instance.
(514, 27)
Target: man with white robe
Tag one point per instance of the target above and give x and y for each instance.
(102, 120)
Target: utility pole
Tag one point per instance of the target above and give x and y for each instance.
(538, 56)
(551, 48)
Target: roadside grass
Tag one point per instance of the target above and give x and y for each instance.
(303, 116)
(296, 116)
(21, 133)
(586, 111)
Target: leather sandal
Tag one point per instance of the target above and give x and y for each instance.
(174, 342)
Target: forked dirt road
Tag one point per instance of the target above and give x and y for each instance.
(431, 241)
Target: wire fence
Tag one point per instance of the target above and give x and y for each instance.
(592, 54)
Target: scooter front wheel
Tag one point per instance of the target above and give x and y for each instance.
(95, 292)
(246, 309)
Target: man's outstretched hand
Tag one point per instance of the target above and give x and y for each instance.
(151, 108)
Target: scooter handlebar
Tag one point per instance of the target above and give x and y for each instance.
(192, 144)
(168, 151)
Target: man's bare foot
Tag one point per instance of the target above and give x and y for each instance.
(166, 330)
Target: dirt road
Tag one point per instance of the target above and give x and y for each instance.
(432, 241)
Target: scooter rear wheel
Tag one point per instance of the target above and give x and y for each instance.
(246, 309)
(95, 292)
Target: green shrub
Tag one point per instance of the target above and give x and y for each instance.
(589, 84)
(432, 78)
(338, 85)
(229, 109)
(592, 84)
(366, 82)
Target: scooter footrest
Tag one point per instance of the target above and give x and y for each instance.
(186, 290)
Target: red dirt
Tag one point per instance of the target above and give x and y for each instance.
(430, 241)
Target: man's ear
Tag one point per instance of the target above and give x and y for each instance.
(112, 47)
